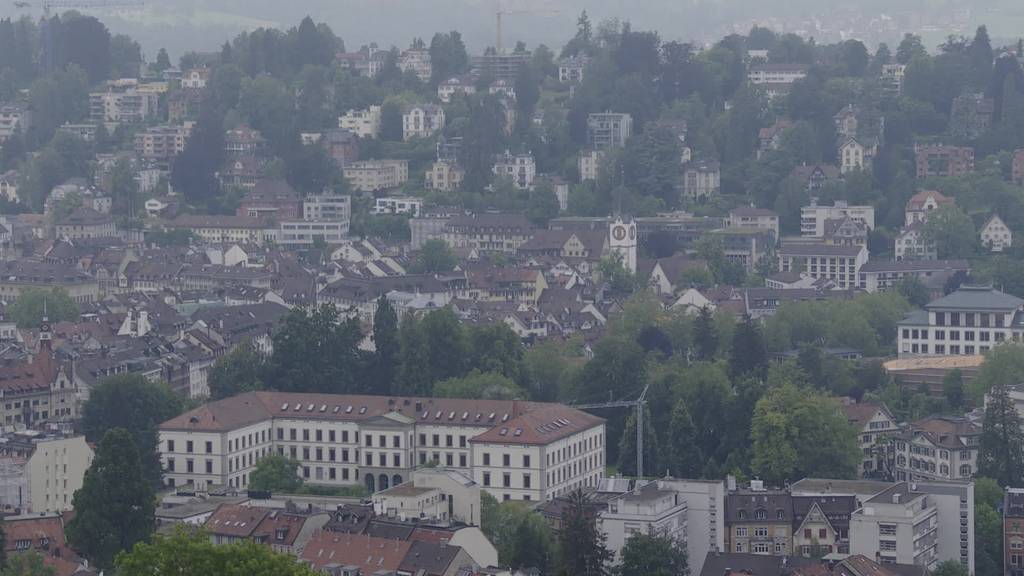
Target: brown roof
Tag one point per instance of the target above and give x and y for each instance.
(368, 553)
(541, 426)
(290, 524)
(860, 413)
(917, 201)
(34, 529)
(235, 520)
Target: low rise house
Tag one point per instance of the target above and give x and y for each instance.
(458, 85)
(912, 244)
(422, 121)
(813, 218)
(995, 234)
(1013, 532)
(701, 180)
(218, 229)
(923, 203)
(813, 177)
(521, 169)
(44, 535)
(417, 61)
(770, 137)
(880, 275)
(856, 153)
(437, 494)
(571, 69)
(374, 175)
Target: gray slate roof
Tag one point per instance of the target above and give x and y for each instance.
(977, 298)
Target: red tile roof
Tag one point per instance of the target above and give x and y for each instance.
(368, 553)
(235, 521)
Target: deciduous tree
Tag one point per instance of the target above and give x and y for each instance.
(276, 473)
(33, 304)
(1001, 454)
(240, 370)
(654, 554)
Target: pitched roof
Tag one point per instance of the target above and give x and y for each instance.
(367, 553)
(914, 265)
(235, 520)
(977, 298)
(432, 558)
(917, 201)
(861, 412)
(541, 426)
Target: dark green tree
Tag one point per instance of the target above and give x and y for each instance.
(627, 447)
(749, 355)
(654, 554)
(582, 543)
(238, 371)
(276, 473)
(193, 172)
(705, 335)
(390, 122)
(387, 354)
(483, 138)
(532, 546)
(1002, 442)
(28, 564)
(448, 57)
(543, 205)
(414, 377)
(914, 291)
(125, 57)
(953, 389)
(476, 384)
(952, 231)
(28, 310)
(163, 61)
(447, 345)
(950, 568)
(435, 256)
(115, 507)
(684, 455)
(316, 351)
(85, 41)
(136, 404)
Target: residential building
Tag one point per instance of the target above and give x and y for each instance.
(745, 246)
(813, 218)
(398, 205)
(503, 89)
(705, 517)
(308, 233)
(938, 448)
(571, 69)
(912, 244)
(609, 129)
(440, 494)
(770, 137)
(19, 275)
(128, 105)
(84, 132)
(374, 175)
(750, 217)
(846, 231)
(653, 508)
(9, 186)
(242, 172)
(416, 60)
(840, 264)
(968, 321)
(892, 78)
(856, 153)
(590, 164)
(341, 145)
(334, 207)
(521, 169)
(363, 123)
(367, 62)
(14, 119)
(51, 469)
(244, 141)
(284, 531)
(701, 180)
(39, 390)
(84, 223)
(160, 144)
(922, 203)
(422, 121)
(1013, 532)
(218, 229)
(846, 121)
(458, 85)
(897, 526)
(43, 535)
(428, 226)
(873, 422)
(444, 175)
(821, 526)
(271, 199)
(767, 74)
(499, 65)
(995, 234)
(970, 115)
(521, 451)
(488, 232)
(880, 275)
(943, 160)
(759, 521)
(1017, 169)
(195, 78)
(813, 177)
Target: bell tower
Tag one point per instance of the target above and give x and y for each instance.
(622, 240)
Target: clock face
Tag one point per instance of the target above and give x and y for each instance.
(619, 232)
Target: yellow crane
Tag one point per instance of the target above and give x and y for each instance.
(502, 12)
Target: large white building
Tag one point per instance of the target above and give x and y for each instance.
(514, 450)
(609, 129)
(654, 507)
(969, 321)
(521, 169)
(422, 121)
(44, 471)
(897, 526)
(129, 106)
(818, 260)
(373, 175)
(363, 123)
(590, 164)
(307, 233)
(814, 217)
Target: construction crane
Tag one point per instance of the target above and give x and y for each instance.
(640, 403)
(501, 13)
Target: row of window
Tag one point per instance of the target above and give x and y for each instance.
(969, 336)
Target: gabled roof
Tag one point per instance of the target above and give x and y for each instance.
(367, 553)
(235, 520)
(917, 201)
(860, 413)
(977, 298)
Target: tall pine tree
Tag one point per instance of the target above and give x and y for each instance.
(385, 340)
(705, 335)
(584, 552)
(749, 356)
(1002, 442)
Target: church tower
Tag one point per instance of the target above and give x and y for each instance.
(622, 240)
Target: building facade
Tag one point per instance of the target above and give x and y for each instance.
(813, 218)
(967, 322)
(609, 129)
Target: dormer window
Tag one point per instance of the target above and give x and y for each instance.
(742, 514)
(760, 515)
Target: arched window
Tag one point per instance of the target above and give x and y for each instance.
(965, 471)
(760, 515)
(396, 480)
(370, 483)
(382, 482)
(780, 514)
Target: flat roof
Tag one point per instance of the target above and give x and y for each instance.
(934, 362)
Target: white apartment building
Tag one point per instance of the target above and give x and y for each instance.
(911, 244)
(609, 129)
(48, 471)
(897, 526)
(444, 175)
(969, 321)
(363, 123)
(590, 164)
(776, 73)
(161, 144)
(460, 85)
(373, 175)
(418, 61)
(938, 448)
(128, 106)
(840, 264)
(514, 450)
(521, 169)
(398, 205)
(705, 517)
(651, 508)
(855, 155)
(327, 207)
(307, 233)
(814, 217)
(422, 121)
(432, 493)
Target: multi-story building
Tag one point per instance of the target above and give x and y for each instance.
(444, 175)
(221, 228)
(422, 121)
(488, 232)
(443, 494)
(416, 60)
(521, 169)
(84, 132)
(363, 123)
(458, 85)
(513, 450)
(334, 207)
(590, 164)
(654, 508)
(938, 448)
(40, 390)
(160, 144)
(920, 205)
(1013, 532)
(995, 234)
(398, 205)
(770, 137)
(571, 69)
(705, 517)
(9, 186)
(195, 78)
(873, 423)
(272, 200)
(880, 275)
(856, 153)
(759, 521)
(813, 177)
(819, 260)
(768, 74)
(846, 231)
(969, 321)
(14, 119)
(341, 145)
(609, 129)
(943, 160)
(244, 141)
(701, 180)
(85, 223)
(745, 246)
(19, 275)
(813, 218)
(51, 469)
(892, 78)
(911, 243)
(373, 175)
(128, 105)
(897, 526)
(499, 65)
(307, 233)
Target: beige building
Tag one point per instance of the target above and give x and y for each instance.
(514, 450)
(363, 123)
(373, 175)
(444, 175)
(422, 121)
(873, 423)
(48, 471)
(897, 526)
(433, 493)
(220, 229)
(590, 164)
